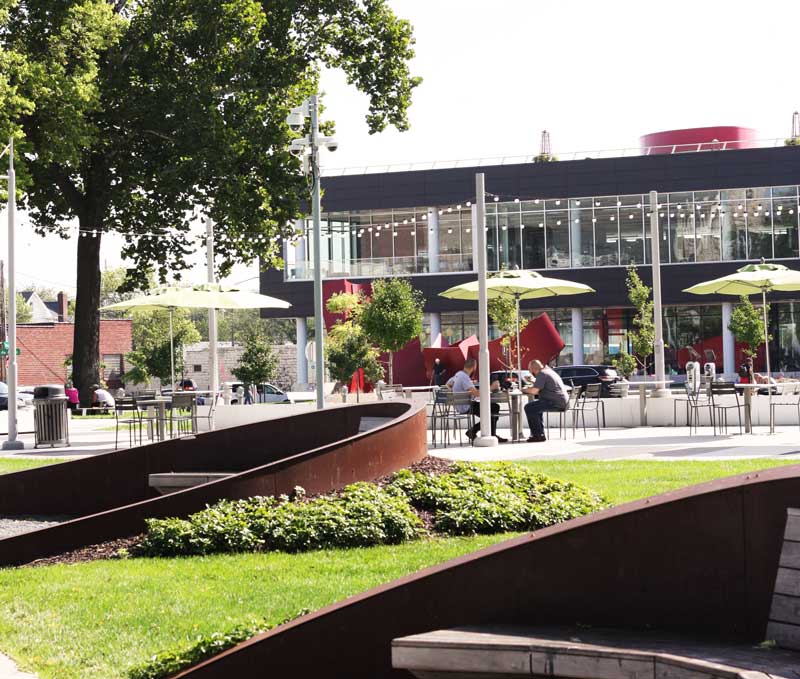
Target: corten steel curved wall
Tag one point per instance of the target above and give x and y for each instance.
(319, 450)
(701, 560)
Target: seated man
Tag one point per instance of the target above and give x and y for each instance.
(461, 383)
(552, 395)
(101, 398)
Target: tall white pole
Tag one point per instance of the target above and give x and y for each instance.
(766, 353)
(485, 439)
(315, 216)
(171, 351)
(213, 356)
(655, 253)
(12, 443)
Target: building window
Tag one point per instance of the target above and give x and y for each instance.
(197, 368)
(113, 370)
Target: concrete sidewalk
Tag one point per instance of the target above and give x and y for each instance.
(643, 443)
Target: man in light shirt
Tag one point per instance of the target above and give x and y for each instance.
(102, 397)
(461, 383)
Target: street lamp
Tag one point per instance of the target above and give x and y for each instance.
(307, 147)
(11, 443)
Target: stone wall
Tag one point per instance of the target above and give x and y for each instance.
(196, 363)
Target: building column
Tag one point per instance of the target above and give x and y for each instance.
(433, 241)
(728, 343)
(302, 341)
(577, 336)
(435, 319)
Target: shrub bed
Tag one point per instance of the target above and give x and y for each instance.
(470, 499)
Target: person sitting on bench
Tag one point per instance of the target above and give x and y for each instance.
(101, 398)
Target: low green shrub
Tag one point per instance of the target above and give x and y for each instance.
(362, 515)
(493, 497)
(170, 662)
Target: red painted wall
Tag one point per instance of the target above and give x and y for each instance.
(43, 348)
(688, 139)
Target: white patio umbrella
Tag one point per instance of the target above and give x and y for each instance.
(517, 285)
(202, 296)
(750, 280)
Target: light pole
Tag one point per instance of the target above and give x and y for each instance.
(12, 443)
(308, 147)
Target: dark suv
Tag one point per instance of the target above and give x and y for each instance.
(582, 375)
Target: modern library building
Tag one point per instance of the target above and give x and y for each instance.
(720, 205)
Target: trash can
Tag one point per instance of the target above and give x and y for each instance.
(50, 418)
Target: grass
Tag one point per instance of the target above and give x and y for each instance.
(15, 464)
(626, 480)
(96, 620)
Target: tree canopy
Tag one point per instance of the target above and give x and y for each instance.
(151, 346)
(392, 316)
(130, 116)
(258, 363)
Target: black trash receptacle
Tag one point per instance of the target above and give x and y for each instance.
(50, 417)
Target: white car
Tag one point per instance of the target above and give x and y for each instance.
(267, 393)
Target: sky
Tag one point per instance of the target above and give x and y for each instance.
(596, 75)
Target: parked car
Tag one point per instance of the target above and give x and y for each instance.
(583, 375)
(508, 377)
(267, 393)
(186, 385)
(23, 398)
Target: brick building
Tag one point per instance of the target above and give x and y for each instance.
(45, 346)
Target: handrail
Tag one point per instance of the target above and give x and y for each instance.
(625, 152)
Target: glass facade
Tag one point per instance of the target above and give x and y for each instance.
(595, 231)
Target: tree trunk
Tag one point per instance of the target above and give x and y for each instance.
(86, 338)
(391, 367)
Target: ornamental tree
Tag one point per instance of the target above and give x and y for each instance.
(747, 326)
(392, 316)
(129, 116)
(643, 335)
(258, 363)
(503, 311)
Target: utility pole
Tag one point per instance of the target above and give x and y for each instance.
(655, 254)
(213, 360)
(313, 110)
(12, 443)
(2, 318)
(485, 439)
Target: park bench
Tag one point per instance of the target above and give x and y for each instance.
(498, 651)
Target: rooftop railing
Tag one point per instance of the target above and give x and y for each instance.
(701, 147)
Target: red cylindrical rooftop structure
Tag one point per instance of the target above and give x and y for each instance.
(720, 138)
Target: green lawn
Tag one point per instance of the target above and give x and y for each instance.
(15, 464)
(626, 480)
(95, 620)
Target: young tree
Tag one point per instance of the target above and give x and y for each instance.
(129, 115)
(747, 325)
(643, 334)
(503, 311)
(258, 363)
(392, 316)
(151, 354)
(349, 349)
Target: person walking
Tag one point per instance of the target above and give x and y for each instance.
(461, 383)
(439, 372)
(551, 395)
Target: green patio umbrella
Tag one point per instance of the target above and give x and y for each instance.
(201, 296)
(750, 280)
(517, 285)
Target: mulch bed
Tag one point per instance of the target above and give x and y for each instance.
(110, 550)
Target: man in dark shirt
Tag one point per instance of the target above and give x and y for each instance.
(552, 395)
(439, 373)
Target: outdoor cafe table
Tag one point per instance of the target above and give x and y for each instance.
(748, 389)
(643, 388)
(161, 423)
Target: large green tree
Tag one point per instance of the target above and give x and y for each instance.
(151, 344)
(129, 115)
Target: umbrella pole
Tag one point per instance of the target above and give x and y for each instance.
(766, 352)
(171, 351)
(519, 350)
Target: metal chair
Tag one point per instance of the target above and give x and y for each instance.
(592, 402)
(789, 398)
(454, 416)
(694, 399)
(438, 413)
(720, 411)
(574, 407)
(182, 415)
(122, 406)
(387, 392)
